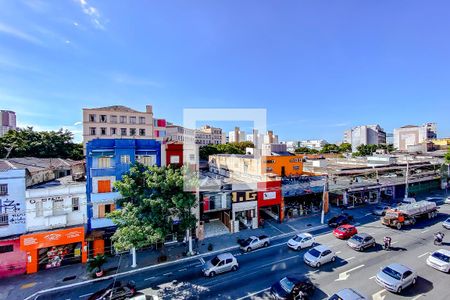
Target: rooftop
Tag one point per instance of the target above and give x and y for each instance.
(60, 182)
(33, 164)
(120, 108)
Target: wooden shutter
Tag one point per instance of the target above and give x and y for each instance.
(104, 186)
(101, 211)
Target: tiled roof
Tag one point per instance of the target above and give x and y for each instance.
(33, 164)
(116, 108)
(5, 166)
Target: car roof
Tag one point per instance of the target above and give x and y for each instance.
(322, 248)
(347, 226)
(444, 251)
(225, 256)
(363, 234)
(399, 267)
(304, 234)
(349, 294)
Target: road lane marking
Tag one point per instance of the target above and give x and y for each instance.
(418, 296)
(253, 294)
(181, 270)
(378, 296)
(393, 243)
(196, 266)
(202, 260)
(275, 227)
(368, 214)
(292, 227)
(150, 278)
(345, 275)
(372, 277)
(426, 230)
(27, 285)
(421, 255)
(350, 258)
(85, 295)
(337, 252)
(167, 274)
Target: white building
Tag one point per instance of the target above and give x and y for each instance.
(12, 200)
(7, 121)
(411, 135)
(237, 136)
(313, 144)
(365, 135)
(56, 204)
(206, 135)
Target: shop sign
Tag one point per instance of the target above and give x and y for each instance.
(54, 198)
(269, 195)
(48, 239)
(244, 196)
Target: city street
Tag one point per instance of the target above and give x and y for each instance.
(261, 268)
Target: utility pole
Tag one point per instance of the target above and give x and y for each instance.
(406, 178)
(324, 200)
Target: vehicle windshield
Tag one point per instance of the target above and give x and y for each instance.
(448, 220)
(314, 252)
(441, 256)
(335, 297)
(392, 273)
(342, 229)
(357, 238)
(297, 238)
(215, 261)
(286, 284)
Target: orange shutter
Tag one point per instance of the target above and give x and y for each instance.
(101, 211)
(104, 186)
(113, 207)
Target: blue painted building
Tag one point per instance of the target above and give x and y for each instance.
(106, 162)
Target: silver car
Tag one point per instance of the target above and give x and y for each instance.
(220, 264)
(396, 277)
(361, 241)
(318, 256)
(348, 294)
(446, 224)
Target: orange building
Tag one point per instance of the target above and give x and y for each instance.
(52, 249)
(283, 165)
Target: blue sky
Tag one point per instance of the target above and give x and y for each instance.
(318, 67)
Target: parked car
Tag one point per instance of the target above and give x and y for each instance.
(345, 231)
(220, 264)
(437, 200)
(361, 241)
(447, 200)
(318, 256)
(254, 242)
(440, 260)
(300, 241)
(340, 220)
(144, 297)
(116, 290)
(348, 294)
(396, 277)
(292, 287)
(380, 210)
(446, 224)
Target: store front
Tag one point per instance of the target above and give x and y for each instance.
(270, 200)
(13, 261)
(215, 211)
(244, 210)
(53, 249)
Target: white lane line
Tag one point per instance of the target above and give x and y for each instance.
(378, 296)
(85, 295)
(350, 258)
(167, 274)
(196, 266)
(292, 227)
(368, 214)
(314, 272)
(253, 294)
(371, 277)
(418, 296)
(181, 270)
(337, 252)
(275, 227)
(393, 243)
(202, 260)
(426, 230)
(421, 255)
(345, 275)
(150, 278)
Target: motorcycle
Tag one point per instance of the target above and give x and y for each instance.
(438, 238)
(387, 243)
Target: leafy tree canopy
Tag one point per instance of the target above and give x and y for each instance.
(229, 148)
(345, 147)
(153, 198)
(27, 142)
(330, 148)
(447, 157)
(306, 150)
(367, 150)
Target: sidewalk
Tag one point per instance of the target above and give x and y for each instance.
(20, 287)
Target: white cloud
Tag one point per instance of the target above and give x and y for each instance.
(93, 14)
(77, 123)
(19, 34)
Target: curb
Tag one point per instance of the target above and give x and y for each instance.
(275, 238)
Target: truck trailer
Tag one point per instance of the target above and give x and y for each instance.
(408, 214)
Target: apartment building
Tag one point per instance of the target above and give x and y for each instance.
(237, 135)
(121, 122)
(313, 144)
(270, 138)
(205, 135)
(7, 121)
(411, 135)
(106, 161)
(365, 135)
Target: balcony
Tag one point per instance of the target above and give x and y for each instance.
(101, 223)
(103, 172)
(56, 220)
(105, 197)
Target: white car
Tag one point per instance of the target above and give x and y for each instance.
(447, 200)
(446, 224)
(348, 294)
(318, 256)
(440, 260)
(396, 277)
(300, 241)
(220, 264)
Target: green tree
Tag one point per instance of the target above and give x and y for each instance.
(44, 144)
(228, 148)
(345, 147)
(330, 148)
(153, 198)
(447, 157)
(306, 150)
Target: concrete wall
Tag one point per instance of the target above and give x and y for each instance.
(13, 203)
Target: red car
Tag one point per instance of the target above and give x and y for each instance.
(345, 231)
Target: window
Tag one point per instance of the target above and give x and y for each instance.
(296, 167)
(113, 131)
(268, 169)
(58, 206)
(142, 132)
(132, 131)
(103, 130)
(104, 162)
(103, 119)
(92, 131)
(6, 248)
(174, 159)
(141, 120)
(147, 160)
(3, 189)
(92, 118)
(132, 120)
(123, 131)
(75, 204)
(125, 159)
(4, 220)
(113, 119)
(270, 161)
(123, 119)
(228, 261)
(104, 209)
(39, 209)
(104, 186)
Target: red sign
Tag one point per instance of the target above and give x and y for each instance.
(51, 238)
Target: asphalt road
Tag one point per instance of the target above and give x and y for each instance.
(261, 268)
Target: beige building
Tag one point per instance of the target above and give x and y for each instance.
(117, 121)
(409, 136)
(206, 135)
